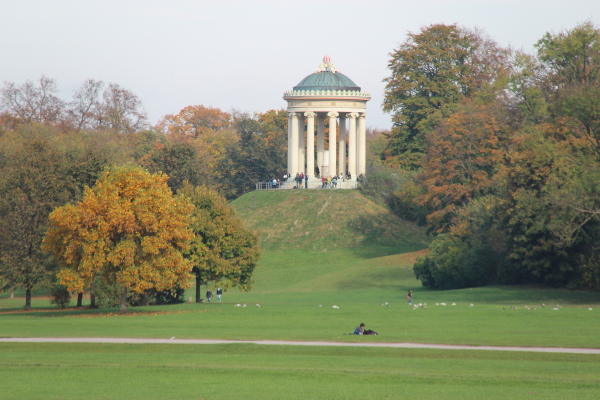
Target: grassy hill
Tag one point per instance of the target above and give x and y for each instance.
(327, 220)
(329, 240)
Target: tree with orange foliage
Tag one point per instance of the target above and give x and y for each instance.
(194, 121)
(462, 158)
(129, 229)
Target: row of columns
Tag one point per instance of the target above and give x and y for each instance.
(301, 147)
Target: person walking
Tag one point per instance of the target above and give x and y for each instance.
(208, 295)
(219, 293)
(409, 296)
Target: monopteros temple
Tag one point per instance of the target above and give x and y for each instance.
(329, 96)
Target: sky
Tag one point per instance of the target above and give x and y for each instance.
(244, 54)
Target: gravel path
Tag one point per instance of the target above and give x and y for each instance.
(297, 343)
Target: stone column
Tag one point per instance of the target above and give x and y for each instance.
(294, 144)
(289, 142)
(301, 145)
(362, 144)
(320, 140)
(310, 144)
(352, 145)
(332, 141)
(342, 146)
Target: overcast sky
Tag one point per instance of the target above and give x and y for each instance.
(244, 54)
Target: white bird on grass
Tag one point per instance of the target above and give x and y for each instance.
(244, 305)
(257, 305)
(173, 338)
(442, 304)
(471, 305)
(590, 309)
(453, 304)
(555, 308)
(320, 305)
(437, 304)
(335, 307)
(238, 305)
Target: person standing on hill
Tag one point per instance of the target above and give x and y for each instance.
(208, 295)
(409, 296)
(219, 293)
(305, 181)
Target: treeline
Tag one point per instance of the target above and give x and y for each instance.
(498, 152)
(52, 149)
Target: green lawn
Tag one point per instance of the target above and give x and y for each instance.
(290, 299)
(245, 371)
(357, 261)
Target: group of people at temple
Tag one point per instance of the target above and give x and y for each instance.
(301, 180)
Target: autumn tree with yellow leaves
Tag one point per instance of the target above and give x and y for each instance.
(129, 229)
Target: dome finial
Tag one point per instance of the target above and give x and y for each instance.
(326, 65)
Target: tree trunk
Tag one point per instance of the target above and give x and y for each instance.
(28, 299)
(198, 284)
(123, 308)
(79, 299)
(12, 292)
(92, 296)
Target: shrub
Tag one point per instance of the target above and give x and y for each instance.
(109, 296)
(381, 182)
(454, 263)
(60, 296)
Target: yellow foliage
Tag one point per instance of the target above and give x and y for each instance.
(129, 229)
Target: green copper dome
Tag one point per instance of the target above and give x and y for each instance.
(327, 77)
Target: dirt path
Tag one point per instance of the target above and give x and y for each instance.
(296, 343)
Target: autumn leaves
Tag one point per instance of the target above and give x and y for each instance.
(131, 230)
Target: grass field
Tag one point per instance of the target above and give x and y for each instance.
(243, 371)
(356, 269)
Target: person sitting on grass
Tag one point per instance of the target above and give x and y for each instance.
(360, 330)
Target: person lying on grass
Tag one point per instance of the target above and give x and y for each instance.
(360, 330)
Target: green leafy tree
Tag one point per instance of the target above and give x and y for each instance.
(434, 68)
(222, 250)
(259, 155)
(572, 59)
(34, 179)
(180, 161)
(129, 229)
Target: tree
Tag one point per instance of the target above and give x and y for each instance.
(86, 106)
(121, 110)
(33, 181)
(222, 249)
(434, 68)
(260, 154)
(180, 161)
(194, 121)
(572, 60)
(462, 157)
(32, 103)
(129, 229)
